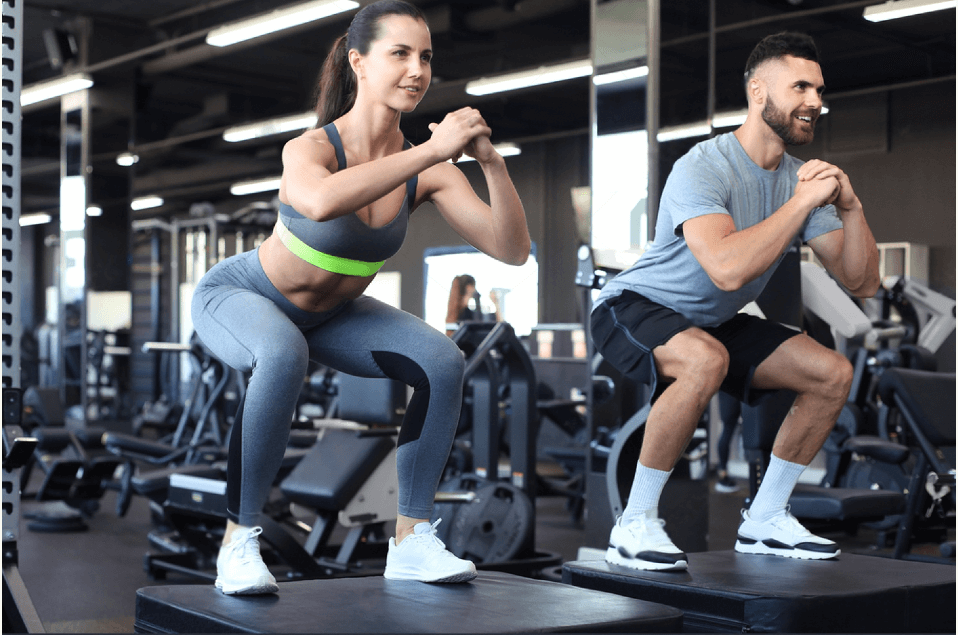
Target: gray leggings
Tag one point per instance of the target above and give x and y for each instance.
(246, 322)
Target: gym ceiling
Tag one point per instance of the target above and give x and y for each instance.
(163, 93)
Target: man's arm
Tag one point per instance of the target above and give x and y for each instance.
(732, 258)
(849, 254)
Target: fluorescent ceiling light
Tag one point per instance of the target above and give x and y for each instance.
(35, 219)
(620, 76)
(94, 210)
(504, 149)
(729, 119)
(255, 186)
(894, 9)
(126, 159)
(42, 91)
(672, 133)
(146, 202)
(534, 77)
(270, 127)
(277, 20)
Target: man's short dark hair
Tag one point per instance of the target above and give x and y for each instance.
(778, 46)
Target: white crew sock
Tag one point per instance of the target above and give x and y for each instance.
(644, 496)
(775, 490)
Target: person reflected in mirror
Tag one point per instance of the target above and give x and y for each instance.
(465, 304)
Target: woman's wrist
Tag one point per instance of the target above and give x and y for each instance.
(496, 160)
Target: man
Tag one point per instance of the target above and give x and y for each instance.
(729, 210)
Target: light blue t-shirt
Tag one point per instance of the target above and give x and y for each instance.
(715, 177)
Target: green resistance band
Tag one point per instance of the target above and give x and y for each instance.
(335, 264)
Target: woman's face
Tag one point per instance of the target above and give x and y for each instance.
(397, 70)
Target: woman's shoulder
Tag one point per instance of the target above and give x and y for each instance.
(310, 138)
(311, 145)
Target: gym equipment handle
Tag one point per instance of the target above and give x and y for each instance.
(149, 347)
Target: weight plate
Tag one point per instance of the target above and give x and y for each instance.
(495, 527)
(871, 474)
(467, 482)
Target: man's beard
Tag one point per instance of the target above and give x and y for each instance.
(785, 127)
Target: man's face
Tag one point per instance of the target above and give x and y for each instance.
(793, 99)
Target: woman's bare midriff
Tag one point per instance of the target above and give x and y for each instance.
(307, 286)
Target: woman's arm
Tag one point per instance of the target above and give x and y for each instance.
(320, 194)
(317, 192)
(498, 229)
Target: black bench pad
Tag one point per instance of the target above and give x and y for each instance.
(724, 591)
(839, 503)
(492, 603)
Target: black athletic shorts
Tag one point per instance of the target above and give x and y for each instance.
(627, 328)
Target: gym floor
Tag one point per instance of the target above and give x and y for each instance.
(86, 582)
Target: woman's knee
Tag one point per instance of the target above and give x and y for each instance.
(447, 363)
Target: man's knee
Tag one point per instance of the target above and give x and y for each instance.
(838, 377)
(694, 355)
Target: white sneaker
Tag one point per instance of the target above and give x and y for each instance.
(782, 535)
(240, 569)
(644, 545)
(423, 556)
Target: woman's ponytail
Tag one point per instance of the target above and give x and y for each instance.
(336, 88)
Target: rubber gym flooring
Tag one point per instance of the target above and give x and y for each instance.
(86, 582)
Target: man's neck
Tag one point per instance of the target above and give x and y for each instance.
(760, 142)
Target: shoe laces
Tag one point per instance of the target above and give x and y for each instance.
(430, 537)
(789, 523)
(653, 528)
(246, 548)
(429, 540)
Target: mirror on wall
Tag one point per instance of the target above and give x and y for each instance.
(620, 142)
(502, 291)
(72, 273)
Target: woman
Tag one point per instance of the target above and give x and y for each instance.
(299, 296)
(463, 290)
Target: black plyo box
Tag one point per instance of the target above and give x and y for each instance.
(492, 603)
(724, 591)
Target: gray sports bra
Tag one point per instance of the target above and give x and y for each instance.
(345, 245)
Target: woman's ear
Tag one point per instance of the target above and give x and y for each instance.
(356, 62)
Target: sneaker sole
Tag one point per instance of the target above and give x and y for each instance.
(725, 489)
(761, 548)
(463, 576)
(612, 556)
(255, 589)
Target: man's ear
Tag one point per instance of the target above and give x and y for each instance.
(756, 89)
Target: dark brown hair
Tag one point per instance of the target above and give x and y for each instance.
(778, 46)
(335, 92)
(457, 296)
